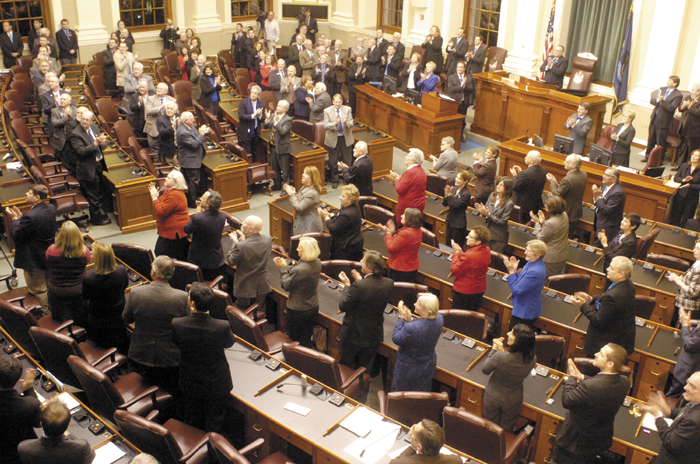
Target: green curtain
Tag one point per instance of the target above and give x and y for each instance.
(598, 27)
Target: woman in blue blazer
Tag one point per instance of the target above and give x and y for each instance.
(428, 81)
(526, 287)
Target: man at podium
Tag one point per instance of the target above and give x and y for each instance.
(555, 67)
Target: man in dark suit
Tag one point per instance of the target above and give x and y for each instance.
(33, 233)
(528, 184)
(248, 52)
(679, 439)
(34, 33)
(554, 68)
(137, 110)
(276, 76)
(169, 35)
(167, 125)
(381, 42)
(131, 86)
(11, 45)
(45, 39)
(363, 303)
(19, 413)
(293, 55)
(476, 56)
(456, 50)
(49, 101)
(323, 72)
(611, 314)
(205, 378)
(249, 253)
(427, 439)
(280, 146)
(610, 204)
(391, 63)
(689, 126)
(205, 229)
(152, 308)
(591, 404)
(191, 152)
(398, 46)
(689, 358)
(237, 39)
(67, 41)
(88, 142)
(360, 174)
(460, 87)
(578, 125)
(54, 446)
(251, 114)
(665, 105)
(311, 25)
(318, 104)
(374, 62)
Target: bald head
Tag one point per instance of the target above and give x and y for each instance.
(254, 223)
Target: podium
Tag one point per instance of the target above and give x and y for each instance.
(438, 105)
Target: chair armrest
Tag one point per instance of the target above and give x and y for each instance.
(217, 283)
(251, 308)
(6, 279)
(353, 377)
(52, 164)
(58, 174)
(252, 446)
(109, 369)
(151, 391)
(275, 351)
(69, 194)
(261, 322)
(381, 395)
(107, 354)
(516, 445)
(195, 448)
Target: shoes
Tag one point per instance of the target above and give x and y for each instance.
(335, 185)
(675, 168)
(101, 222)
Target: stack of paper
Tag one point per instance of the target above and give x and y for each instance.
(361, 422)
(108, 454)
(371, 449)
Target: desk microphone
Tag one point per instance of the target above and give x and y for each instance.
(279, 387)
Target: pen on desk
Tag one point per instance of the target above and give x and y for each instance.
(677, 350)
(556, 387)
(578, 316)
(660, 277)
(477, 359)
(443, 211)
(653, 335)
(652, 227)
(277, 380)
(598, 260)
(335, 426)
(639, 427)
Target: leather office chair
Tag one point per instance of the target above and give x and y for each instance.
(249, 330)
(186, 273)
(494, 445)
(163, 74)
(55, 348)
(334, 267)
(89, 96)
(670, 262)
(268, 98)
(495, 56)
(497, 261)
(304, 129)
(644, 306)
(548, 349)
(183, 89)
(173, 65)
(436, 184)
(233, 221)
(673, 141)
(366, 200)
(122, 131)
(324, 244)
(469, 323)
(19, 296)
(605, 139)
(408, 407)
(226, 453)
(159, 171)
(97, 84)
(25, 89)
(417, 49)
(25, 111)
(95, 70)
(130, 392)
(406, 292)
(569, 283)
(429, 238)
(67, 201)
(517, 216)
(137, 257)
(241, 84)
(26, 61)
(18, 320)
(258, 174)
(655, 158)
(226, 57)
(52, 169)
(174, 442)
(39, 143)
(109, 113)
(582, 72)
(327, 370)
(378, 215)
(221, 301)
(644, 244)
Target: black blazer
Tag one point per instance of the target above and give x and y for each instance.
(166, 133)
(110, 72)
(355, 78)
(611, 209)
(48, 102)
(393, 67)
(345, 227)
(360, 174)
(679, 440)
(293, 58)
(204, 370)
(457, 202)
(456, 55)
(205, 230)
(363, 303)
(528, 186)
(691, 193)
(374, 65)
(455, 90)
(662, 116)
(312, 26)
(207, 91)
(237, 45)
(33, 234)
(106, 296)
(330, 74)
(689, 125)
(56, 449)
(86, 165)
(613, 320)
(301, 106)
(137, 117)
(433, 52)
(66, 43)
(409, 456)
(621, 150)
(555, 75)
(476, 64)
(11, 46)
(129, 41)
(625, 246)
(246, 114)
(18, 417)
(406, 73)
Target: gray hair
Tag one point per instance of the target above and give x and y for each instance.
(163, 85)
(285, 104)
(362, 146)
(88, 114)
(622, 264)
(449, 140)
(186, 116)
(416, 155)
(574, 160)
(171, 104)
(144, 458)
(179, 180)
(430, 303)
(163, 268)
(138, 65)
(322, 86)
(254, 222)
(535, 156)
(256, 87)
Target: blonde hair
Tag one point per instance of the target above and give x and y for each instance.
(315, 176)
(430, 303)
(103, 257)
(69, 241)
(308, 249)
(351, 193)
(538, 247)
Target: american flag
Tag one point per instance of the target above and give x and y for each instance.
(549, 38)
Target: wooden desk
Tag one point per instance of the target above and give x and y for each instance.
(381, 149)
(132, 202)
(506, 109)
(227, 174)
(644, 194)
(412, 127)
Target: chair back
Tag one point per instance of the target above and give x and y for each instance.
(54, 349)
(304, 129)
(548, 349)
(221, 301)
(122, 131)
(21, 131)
(241, 84)
(670, 262)
(409, 407)
(605, 139)
(163, 74)
(183, 89)
(334, 267)
(582, 72)
(172, 63)
(569, 283)
(268, 98)
(144, 158)
(417, 49)
(98, 86)
(148, 436)
(461, 428)
(245, 327)
(233, 221)
(137, 257)
(313, 363)
(185, 274)
(436, 184)
(224, 451)
(655, 158)
(320, 135)
(26, 61)
(469, 323)
(497, 261)
(16, 98)
(366, 200)
(516, 216)
(226, 57)
(644, 306)
(644, 244)
(95, 71)
(324, 243)
(378, 215)
(104, 398)
(406, 292)
(107, 110)
(429, 238)
(17, 322)
(495, 56)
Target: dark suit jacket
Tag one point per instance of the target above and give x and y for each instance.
(48, 102)
(610, 210)
(409, 456)
(579, 132)
(374, 65)
(246, 112)
(625, 246)
(18, 417)
(345, 227)
(680, 438)
(621, 150)
(405, 75)
(689, 125)
(571, 189)
(11, 46)
(293, 58)
(688, 360)
(301, 281)
(507, 372)
(283, 131)
(476, 63)
(592, 405)
(484, 185)
(318, 106)
(59, 123)
(355, 77)
(137, 116)
(190, 147)
(456, 54)
(613, 320)
(662, 116)
(166, 133)
(86, 165)
(33, 234)
(312, 26)
(151, 308)
(301, 106)
(457, 202)
(207, 90)
(528, 186)
(360, 174)
(400, 50)
(205, 230)
(110, 72)
(363, 303)
(237, 44)
(433, 52)
(555, 75)
(56, 450)
(204, 369)
(393, 67)
(455, 90)
(66, 43)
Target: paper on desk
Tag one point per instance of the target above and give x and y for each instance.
(649, 421)
(377, 443)
(361, 422)
(16, 166)
(671, 183)
(107, 454)
(394, 454)
(69, 401)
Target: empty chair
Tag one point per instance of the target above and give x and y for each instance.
(469, 323)
(108, 112)
(644, 244)
(495, 56)
(605, 139)
(52, 170)
(304, 129)
(334, 267)
(130, 392)
(366, 200)
(406, 292)
(221, 301)
(429, 238)
(268, 99)
(670, 262)
(186, 273)
(378, 215)
(241, 84)
(26, 62)
(66, 200)
(436, 184)
(548, 349)
(327, 370)
(410, 408)
(137, 257)
(18, 296)
(174, 442)
(516, 216)
(482, 439)
(225, 453)
(182, 90)
(258, 174)
(569, 283)
(173, 65)
(324, 244)
(655, 158)
(249, 330)
(25, 138)
(644, 306)
(97, 83)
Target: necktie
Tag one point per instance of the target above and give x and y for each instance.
(323, 73)
(340, 121)
(667, 92)
(56, 97)
(10, 36)
(386, 69)
(161, 101)
(67, 35)
(255, 118)
(128, 64)
(98, 157)
(682, 411)
(290, 95)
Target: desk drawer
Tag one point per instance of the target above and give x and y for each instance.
(471, 398)
(597, 284)
(655, 372)
(546, 438)
(291, 437)
(639, 457)
(258, 426)
(321, 457)
(665, 305)
(645, 390)
(576, 345)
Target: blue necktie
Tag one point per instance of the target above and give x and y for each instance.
(667, 92)
(340, 121)
(67, 34)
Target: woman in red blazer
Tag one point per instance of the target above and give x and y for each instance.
(469, 268)
(411, 184)
(171, 217)
(403, 246)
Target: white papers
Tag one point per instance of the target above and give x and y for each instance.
(649, 421)
(445, 97)
(361, 422)
(107, 454)
(371, 449)
(297, 408)
(626, 169)
(16, 166)
(395, 454)
(70, 402)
